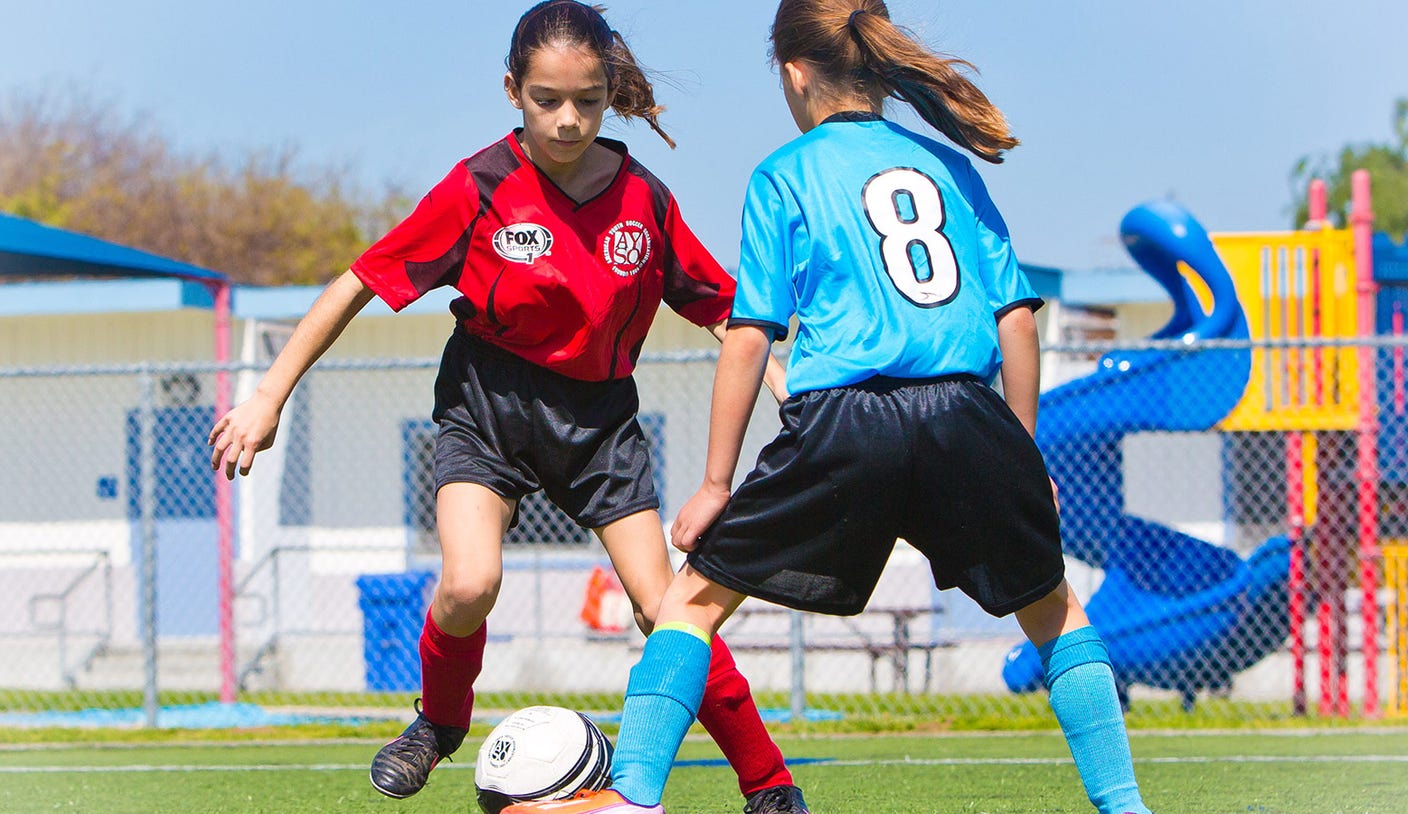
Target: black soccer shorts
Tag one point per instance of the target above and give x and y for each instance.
(942, 463)
(514, 428)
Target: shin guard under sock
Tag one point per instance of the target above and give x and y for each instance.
(662, 699)
(731, 718)
(448, 667)
(1083, 696)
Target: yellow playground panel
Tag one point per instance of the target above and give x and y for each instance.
(1296, 286)
(1396, 616)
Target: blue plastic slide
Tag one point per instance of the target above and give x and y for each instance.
(1177, 612)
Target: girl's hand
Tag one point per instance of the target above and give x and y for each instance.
(245, 430)
(697, 516)
(775, 379)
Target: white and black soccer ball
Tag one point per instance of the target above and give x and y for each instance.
(540, 753)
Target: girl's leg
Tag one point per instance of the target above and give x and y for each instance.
(668, 684)
(636, 545)
(472, 521)
(1082, 694)
(638, 551)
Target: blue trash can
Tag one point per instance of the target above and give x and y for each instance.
(393, 612)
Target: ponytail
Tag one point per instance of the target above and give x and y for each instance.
(857, 47)
(635, 96)
(555, 22)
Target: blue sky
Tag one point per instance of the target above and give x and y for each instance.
(1207, 101)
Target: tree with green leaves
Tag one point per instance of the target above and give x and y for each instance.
(1388, 170)
(69, 161)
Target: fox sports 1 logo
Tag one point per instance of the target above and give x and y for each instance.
(523, 242)
(626, 247)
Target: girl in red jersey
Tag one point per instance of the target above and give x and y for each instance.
(561, 247)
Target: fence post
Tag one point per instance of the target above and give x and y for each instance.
(146, 491)
(797, 646)
(224, 503)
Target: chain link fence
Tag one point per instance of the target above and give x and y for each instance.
(1231, 567)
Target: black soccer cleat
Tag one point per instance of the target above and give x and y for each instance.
(403, 766)
(776, 800)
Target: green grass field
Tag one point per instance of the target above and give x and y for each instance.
(1285, 772)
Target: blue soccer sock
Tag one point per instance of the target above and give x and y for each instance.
(1083, 696)
(662, 699)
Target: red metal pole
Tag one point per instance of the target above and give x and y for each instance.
(1324, 640)
(1317, 202)
(1295, 469)
(1295, 502)
(1340, 618)
(1361, 219)
(224, 504)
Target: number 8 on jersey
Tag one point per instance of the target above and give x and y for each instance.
(906, 209)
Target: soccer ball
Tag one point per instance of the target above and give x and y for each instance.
(540, 753)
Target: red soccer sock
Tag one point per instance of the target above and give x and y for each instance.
(448, 667)
(732, 720)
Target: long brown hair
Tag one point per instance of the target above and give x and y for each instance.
(569, 22)
(859, 50)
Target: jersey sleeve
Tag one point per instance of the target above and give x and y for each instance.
(766, 296)
(696, 286)
(427, 249)
(1007, 285)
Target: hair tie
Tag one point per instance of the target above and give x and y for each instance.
(855, 34)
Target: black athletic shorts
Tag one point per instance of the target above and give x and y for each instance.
(514, 427)
(941, 463)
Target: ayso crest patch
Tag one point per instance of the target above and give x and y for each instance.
(626, 247)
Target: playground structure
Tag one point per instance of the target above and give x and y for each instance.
(1273, 343)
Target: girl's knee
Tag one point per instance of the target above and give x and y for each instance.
(644, 623)
(466, 598)
(1058, 612)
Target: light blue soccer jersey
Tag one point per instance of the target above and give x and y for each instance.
(886, 247)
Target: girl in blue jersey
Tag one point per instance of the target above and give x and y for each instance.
(884, 246)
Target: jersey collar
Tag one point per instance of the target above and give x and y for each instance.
(618, 147)
(853, 116)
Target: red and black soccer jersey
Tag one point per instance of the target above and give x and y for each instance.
(572, 287)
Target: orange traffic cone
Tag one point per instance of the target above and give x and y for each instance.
(604, 603)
